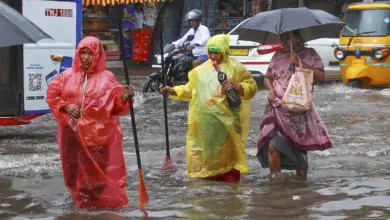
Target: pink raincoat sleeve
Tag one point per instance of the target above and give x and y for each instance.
(55, 99)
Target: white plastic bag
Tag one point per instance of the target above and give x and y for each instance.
(298, 95)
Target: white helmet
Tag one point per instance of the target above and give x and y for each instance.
(194, 14)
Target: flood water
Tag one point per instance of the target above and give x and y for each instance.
(349, 181)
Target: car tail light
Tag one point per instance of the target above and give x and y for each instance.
(380, 53)
(268, 48)
(340, 53)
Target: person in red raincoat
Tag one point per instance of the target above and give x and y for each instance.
(87, 101)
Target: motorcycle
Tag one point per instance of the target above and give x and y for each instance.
(177, 64)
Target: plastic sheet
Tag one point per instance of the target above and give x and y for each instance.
(91, 146)
(18, 120)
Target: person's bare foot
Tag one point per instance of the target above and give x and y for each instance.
(301, 173)
(274, 159)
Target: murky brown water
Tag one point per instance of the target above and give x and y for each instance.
(350, 181)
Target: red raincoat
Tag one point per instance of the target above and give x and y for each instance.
(91, 147)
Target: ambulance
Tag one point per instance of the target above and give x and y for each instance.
(26, 70)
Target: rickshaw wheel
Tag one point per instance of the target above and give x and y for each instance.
(355, 83)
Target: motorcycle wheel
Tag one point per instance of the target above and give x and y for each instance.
(152, 85)
(355, 83)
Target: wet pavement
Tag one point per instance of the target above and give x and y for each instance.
(349, 181)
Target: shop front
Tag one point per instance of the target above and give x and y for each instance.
(230, 13)
(100, 20)
(220, 16)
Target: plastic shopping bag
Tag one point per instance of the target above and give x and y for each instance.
(298, 95)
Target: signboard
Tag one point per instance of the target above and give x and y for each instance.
(58, 19)
(59, 12)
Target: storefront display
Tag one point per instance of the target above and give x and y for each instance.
(141, 44)
(230, 13)
(128, 23)
(150, 14)
(100, 21)
(138, 29)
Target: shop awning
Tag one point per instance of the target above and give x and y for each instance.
(113, 2)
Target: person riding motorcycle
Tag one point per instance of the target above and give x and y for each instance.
(201, 35)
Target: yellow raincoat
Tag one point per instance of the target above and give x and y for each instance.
(217, 134)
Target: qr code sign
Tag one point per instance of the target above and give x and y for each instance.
(35, 82)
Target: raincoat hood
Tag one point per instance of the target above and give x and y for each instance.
(219, 44)
(99, 60)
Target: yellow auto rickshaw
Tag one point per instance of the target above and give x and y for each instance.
(364, 46)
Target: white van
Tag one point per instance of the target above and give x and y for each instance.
(26, 70)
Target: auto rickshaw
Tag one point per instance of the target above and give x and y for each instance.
(364, 45)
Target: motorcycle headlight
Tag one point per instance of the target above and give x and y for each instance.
(340, 53)
(380, 53)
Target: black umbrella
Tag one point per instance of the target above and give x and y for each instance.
(266, 26)
(17, 29)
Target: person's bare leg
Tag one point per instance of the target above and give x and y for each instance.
(274, 160)
(301, 172)
(195, 63)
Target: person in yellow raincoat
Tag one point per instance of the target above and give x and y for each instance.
(217, 133)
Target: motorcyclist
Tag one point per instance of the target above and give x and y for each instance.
(201, 35)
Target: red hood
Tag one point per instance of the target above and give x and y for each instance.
(99, 60)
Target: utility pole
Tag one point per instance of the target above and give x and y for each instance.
(301, 3)
(206, 10)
